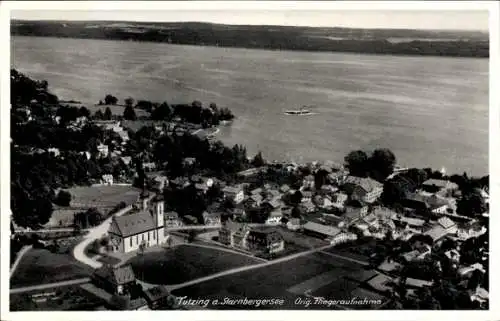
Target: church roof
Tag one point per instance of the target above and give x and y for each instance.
(134, 223)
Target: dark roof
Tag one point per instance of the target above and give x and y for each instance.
(322, 229)
(134, 223)
(271, 235)
(117, 275)
(156, 293)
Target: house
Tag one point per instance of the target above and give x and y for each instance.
(115, 280)
(102, 150)
(308, 207)
(126, 160)
(211, 218)
(234, 193)
(190, 220)
(337, 178)
(354, 214)
(159, 182)
(202, 188)
(180, 182)
(416, 283)
(234, 234)
(156, 297)
(470, 231)
(413, 223)
(238, 213)
(417, 254)
(479, 294)
(320, 230)
(172, 219)
(257, 198)
(363, 189)
(339, 199)
(329, 189)
(306, 196)
(467, 270)
(107, 179)
(293, 224)
(265, 241)
(273, 204)
(308, 182)
(273, 193)
(437, 233)
(422, 203)
(284, 188)
(342, 238)
(256, 191)
(439, 186)
(145, 228)
(189, 161)
(149, 167)
(448, 225)
(54, 151)
(274, 217)
(453, 255)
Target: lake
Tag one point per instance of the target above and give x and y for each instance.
(430, 111)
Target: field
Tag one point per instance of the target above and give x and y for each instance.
(103, 197)
(40, 266)
(61, 298)
(288, 280)
(62, 217)
(184, 263)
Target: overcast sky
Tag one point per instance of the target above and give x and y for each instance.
(452, 20)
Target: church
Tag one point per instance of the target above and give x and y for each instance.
(145, 227)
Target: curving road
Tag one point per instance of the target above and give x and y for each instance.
(94, 233)
(20, 255)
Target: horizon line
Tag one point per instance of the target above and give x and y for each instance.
(487, 31)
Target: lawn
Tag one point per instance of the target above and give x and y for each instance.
(56, 299)
(40, 266)
(62, 217)
(103, 196)
(185, 263)
(276, 281)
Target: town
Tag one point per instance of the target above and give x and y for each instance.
(133, 206)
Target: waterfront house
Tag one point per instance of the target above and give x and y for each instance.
(234, 193)
(146, 227)
(115, 280)
(107, 179)
(265, 241)
(362, 189)
(211, 218)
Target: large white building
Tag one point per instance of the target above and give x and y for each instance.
(146, 227)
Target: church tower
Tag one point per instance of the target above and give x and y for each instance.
(158, 218)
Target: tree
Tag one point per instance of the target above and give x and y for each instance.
(357, 163)
(129, 102)
(161, 112)
(381, 163)
(471, 204)
(63, 198)
(108, 114)
(258, 160)
(84, 112)
(99, 115)
(418, 176)
(296, 213)
(129, 113)
(110, 100)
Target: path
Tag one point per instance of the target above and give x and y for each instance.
(20, 255)
(49, 285)
(48, 230)
(223, 249)
(95, 233)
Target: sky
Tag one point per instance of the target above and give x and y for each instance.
(437, 20)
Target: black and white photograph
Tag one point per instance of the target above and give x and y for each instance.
(168, 157)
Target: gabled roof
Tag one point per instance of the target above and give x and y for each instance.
(366, 184)
(134, 223)
(256, 191)
(156, 293)
(446, 222)
(320, 228)
(232, 189)
(274, 203)
(441, 183)
(116, 275)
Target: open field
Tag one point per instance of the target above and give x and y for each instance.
(184, 263)
(62, 217)
(103, 196)
(277, 281)
(65, 298)
(39, 266)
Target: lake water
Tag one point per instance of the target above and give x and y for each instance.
(430, 111)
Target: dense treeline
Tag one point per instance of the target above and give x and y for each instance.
(261, 37)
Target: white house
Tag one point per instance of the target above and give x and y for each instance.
(274, 217)
(146, 227)
(107, 179)
(103, 150)
(234, 193)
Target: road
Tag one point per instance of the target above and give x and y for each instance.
(20, 255)
(260, 265)
(48, 285)
(94, 233)
(48, 230)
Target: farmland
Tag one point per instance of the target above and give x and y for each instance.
(184, 263)
(279, 280)
(39, 266)
(102, 197)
